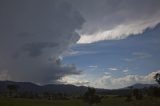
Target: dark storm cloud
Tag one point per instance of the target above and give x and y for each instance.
(35, 49)
(37, 28)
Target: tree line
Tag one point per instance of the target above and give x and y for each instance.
(90, 96)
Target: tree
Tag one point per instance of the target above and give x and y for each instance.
(153, 91)
(129, 96)
(90, 97)
(157, 78)
(137, 94)
(12, 89)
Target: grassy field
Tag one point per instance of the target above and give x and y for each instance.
(110, 101)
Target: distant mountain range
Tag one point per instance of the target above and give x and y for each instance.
(63, 88)
(141, 86)
(31, 87)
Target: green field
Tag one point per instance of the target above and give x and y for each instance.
(110, 101)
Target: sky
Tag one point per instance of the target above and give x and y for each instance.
(99, 43)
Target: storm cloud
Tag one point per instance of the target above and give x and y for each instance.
(33, 34)
(116, 19)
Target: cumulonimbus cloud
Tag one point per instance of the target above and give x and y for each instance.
(33, 34)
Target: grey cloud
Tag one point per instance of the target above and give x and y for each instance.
(37, 28)
(36, 49)
(113, 12)
(116, 19)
